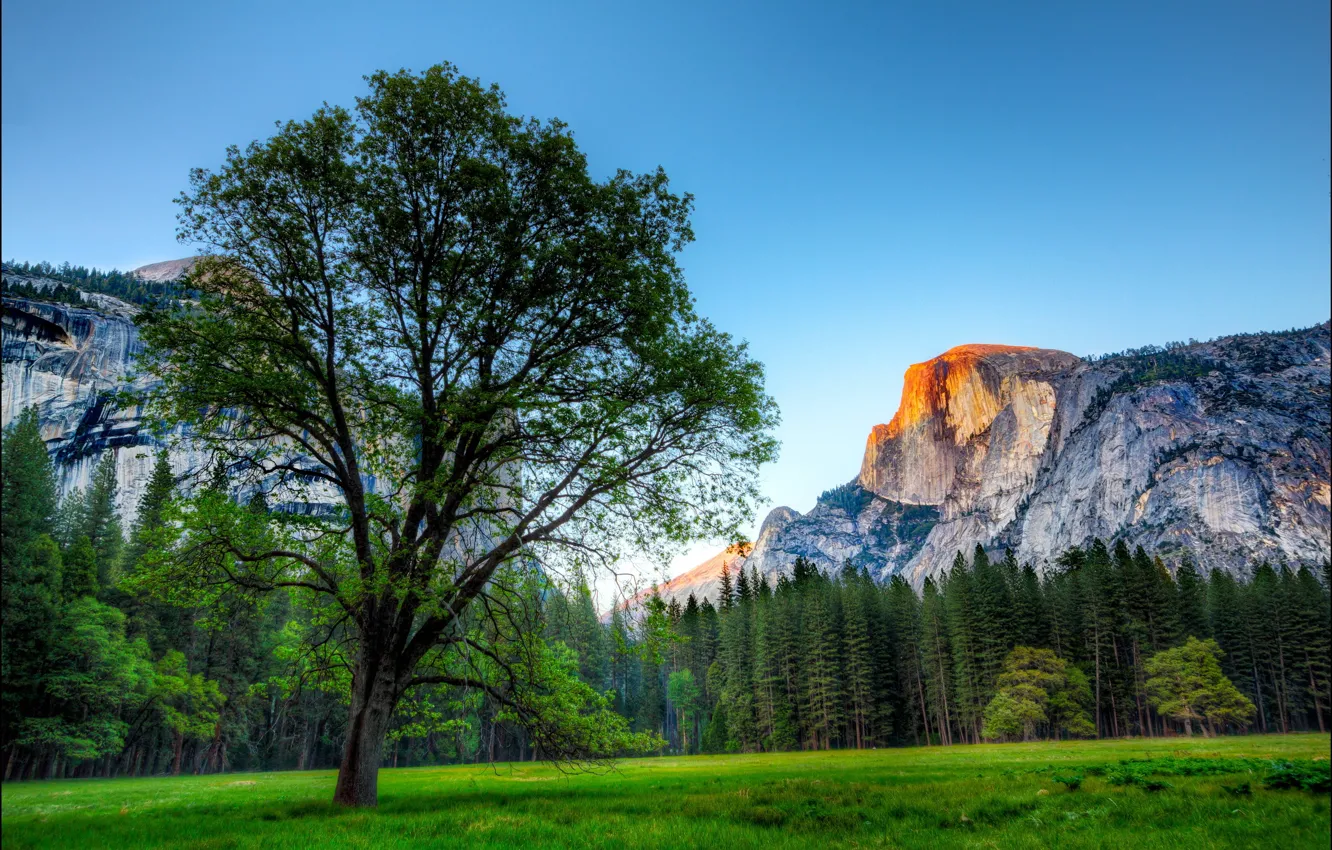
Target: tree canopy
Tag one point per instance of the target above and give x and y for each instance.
(1186, 684)
(429, 307)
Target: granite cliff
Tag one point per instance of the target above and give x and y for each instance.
(1220, 449)
(70, 360)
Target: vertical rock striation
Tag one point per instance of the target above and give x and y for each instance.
(71, 361)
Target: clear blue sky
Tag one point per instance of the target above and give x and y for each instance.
(875, 183)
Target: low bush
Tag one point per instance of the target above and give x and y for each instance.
(1301, 775)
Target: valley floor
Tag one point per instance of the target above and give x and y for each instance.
(970, 796)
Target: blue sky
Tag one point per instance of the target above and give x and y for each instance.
(875, 183)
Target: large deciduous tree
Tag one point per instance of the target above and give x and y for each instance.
(429, 307)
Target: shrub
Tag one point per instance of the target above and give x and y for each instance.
(1301, 775)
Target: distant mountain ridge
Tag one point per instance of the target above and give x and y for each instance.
(1220, 449)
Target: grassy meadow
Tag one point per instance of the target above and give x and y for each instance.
(987, 796)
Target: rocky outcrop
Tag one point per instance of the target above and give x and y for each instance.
(72, 361)
(165, 271)
(1230, 462)
(703, 581)
(69, 361)
(1218, 448)
(949, 405)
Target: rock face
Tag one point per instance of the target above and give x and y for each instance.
(166, 270)
(703, 581)
(1220, 449)
(949, 402)
(69, 361)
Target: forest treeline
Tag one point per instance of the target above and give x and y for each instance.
(102, 678)
(1107, 642)
(69, 280)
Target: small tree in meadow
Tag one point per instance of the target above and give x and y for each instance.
(1037, 689)
(1186, 684)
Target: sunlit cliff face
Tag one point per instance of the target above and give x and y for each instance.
(703, 581)
(948, 405)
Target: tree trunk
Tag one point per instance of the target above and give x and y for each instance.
(1313, 689)
(374, 696)
(178, 749)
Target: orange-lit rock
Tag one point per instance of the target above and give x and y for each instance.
(948, 406)
(703, 581)
(1039, 451)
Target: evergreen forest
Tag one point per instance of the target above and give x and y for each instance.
(63, 283)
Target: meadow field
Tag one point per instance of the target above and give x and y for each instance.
(1165, 793)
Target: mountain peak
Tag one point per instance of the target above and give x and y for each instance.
(167, 270)
(946, 401)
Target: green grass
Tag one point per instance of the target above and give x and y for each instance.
(988, 796)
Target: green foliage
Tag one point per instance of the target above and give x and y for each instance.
(71, 279)
(29, 489)
(56, 292)
(1301, 774)
(1190, 766)
(1072, 782)
(94, 675)
(30, 570)
(1037, 688)
(850, 497)
(565, 715)
(79, 572)
(188, 702)
(1186, 684)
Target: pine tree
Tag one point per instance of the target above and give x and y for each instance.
(823, 692)
(743, 591)
(145, 614)
(79, 573)
(29, 572)
(1100, 600)
(71, 518)
(968, 702)
(1272, 624)
(1311, 628)
(29, 491)
(1192, 600)
(904, 636)
(937, 660)
(161, 484)
(995, 630)
(102, 520)
(726, 593)
(858, 661)
(782, 664)
(1235, 630)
